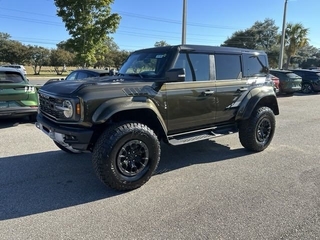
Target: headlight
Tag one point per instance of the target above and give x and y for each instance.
(68, 111)
(67, 108)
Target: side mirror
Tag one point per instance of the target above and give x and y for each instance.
(175, 75)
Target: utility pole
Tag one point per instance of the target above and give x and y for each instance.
(283, 35)
(184, 17)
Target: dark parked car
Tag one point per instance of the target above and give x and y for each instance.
(83, 73)
(18, 98)
(310, 80)
(289, 81)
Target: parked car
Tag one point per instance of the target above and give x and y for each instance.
(82, 74)
(18, 97)
(289, 81)
(174, 94)
(276, 83)
(310, 80)
(19, 67)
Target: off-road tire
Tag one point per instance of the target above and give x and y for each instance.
(256, 133)
(126, 155)
(66, 149)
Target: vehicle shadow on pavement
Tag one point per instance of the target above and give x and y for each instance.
(13, 122)
(42, 182)
(176, 157)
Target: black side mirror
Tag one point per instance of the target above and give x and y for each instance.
(175, 75)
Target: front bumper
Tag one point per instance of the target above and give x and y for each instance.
(73, 138)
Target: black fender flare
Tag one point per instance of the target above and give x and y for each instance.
(263, 96)
(107, 109)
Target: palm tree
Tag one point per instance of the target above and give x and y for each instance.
(296, 38)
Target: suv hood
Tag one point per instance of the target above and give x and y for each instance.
(66, 87)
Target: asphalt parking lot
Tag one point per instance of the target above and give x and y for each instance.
(206, 190)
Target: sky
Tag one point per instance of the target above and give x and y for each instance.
(145, 22)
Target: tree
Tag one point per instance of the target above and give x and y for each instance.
(39, 56)
(88, 23)
(261, 35)
(266, 34)
(105, 55)
(61, 58)
(162, 43)
(12, 51)
(120, 57)
(295, 39)
(242, 39)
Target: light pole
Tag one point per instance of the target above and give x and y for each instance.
(283, 35)
(184, 19)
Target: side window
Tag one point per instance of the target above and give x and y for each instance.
(200, 64)
(72, 76)
(82, 75)
(227, 66)
(182, 62)
(255, 65)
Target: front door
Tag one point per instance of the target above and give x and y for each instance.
(191, 104)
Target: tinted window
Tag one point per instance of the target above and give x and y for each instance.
(72, 76)
(10, 77)
(227, 66)
(182, 62)
(200, 63)
(199, 66)
(255, 65)
(82, 75)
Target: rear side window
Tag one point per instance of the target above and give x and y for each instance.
(227, 66)
(255, 65)
(10, 77)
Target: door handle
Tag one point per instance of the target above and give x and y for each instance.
(242, 89)
(208, 92)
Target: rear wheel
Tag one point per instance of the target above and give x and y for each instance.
(306, 88)
(126, 155)
(256, 133)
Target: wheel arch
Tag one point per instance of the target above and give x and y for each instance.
(119, 110)
(256, 98)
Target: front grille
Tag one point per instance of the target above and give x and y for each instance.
(48, 106)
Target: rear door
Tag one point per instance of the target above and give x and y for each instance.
(236, 74)
(230, 85)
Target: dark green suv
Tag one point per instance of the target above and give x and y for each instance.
(175, 94)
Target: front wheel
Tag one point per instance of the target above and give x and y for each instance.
(306, 88)
(256, 133)
(126, 155)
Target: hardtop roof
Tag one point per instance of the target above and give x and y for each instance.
(202, 48)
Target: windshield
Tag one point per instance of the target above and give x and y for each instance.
(10, 77)
(145, 64)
